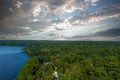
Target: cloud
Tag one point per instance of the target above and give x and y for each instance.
(18, 4)
(52, 4)
(96, 17)
(56, 4)
(31, 17)
(65, 25)
(94, 2)
(105, 35)
(11, 9)
(109, 33)
(103, 17)
(118, 6)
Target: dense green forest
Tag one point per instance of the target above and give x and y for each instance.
(69, 60)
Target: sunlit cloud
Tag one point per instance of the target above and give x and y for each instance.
(11, 9)
(94, 2)
(57, 19)
(62, 26)
(36, 11)
(26, 28)
(18, 4)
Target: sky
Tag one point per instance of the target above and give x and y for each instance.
(91, 20)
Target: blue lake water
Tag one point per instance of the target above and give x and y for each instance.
(11, 60)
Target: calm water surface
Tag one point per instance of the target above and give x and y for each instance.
(11, 60)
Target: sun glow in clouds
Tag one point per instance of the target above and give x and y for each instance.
(55, 19)
(62, 26)
(18, 4)
(36, 11)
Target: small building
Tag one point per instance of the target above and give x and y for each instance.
(55, 74)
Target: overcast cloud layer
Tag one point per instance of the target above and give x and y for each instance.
(60, 19)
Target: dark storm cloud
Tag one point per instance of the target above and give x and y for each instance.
(109, 33)
(54, 4)
(12, 15)
(12, 29)
(4, 8)
(7, 7)
(14, 9)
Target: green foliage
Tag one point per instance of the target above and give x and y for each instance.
(72, 60)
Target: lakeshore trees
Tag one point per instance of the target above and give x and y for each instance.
(71, 60)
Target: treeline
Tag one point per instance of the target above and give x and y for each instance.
(70, 60)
